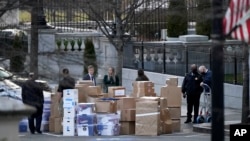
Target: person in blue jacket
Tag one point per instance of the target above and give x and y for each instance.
(207, 77)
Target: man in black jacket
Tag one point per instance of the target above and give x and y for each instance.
(32, 94)
(192, 90)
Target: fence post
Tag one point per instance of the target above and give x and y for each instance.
(186, 50)
(235, 68)
(164, 58)
(210, 58)
(142, 55)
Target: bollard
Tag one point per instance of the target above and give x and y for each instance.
(11, 112)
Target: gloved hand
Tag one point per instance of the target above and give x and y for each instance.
(184, 95)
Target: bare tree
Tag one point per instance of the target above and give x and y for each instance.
(123, 12)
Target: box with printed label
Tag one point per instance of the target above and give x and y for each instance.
(68, 126)
(86, 119)
(69, 112)
(85, 108)
(68, 102)
(71, 93)
(108, 129)
(85, 130)
(116, 91)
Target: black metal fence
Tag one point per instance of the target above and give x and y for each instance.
(174, 58)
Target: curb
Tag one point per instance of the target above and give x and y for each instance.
(206, 127)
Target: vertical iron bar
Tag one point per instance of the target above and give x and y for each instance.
(235, 68)
(164, 58)
(142, 55)
(218, 72)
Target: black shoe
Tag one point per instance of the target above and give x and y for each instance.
(39, 132)
(32, 132)
(188, 121)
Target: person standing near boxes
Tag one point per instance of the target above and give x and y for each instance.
(90, 75)
(111, 79)
(192, 90)
(32, 94)
(66, 83)
(207, 77)
(141, 76)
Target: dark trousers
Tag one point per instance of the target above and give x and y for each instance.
(193, 102)
(38, 117)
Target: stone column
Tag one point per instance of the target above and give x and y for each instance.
(11, 112)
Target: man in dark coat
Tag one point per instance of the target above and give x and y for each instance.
(90, 75)
(192, 90)
(66, 83)
(32, 94)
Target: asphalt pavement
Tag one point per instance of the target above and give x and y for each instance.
(189, 132)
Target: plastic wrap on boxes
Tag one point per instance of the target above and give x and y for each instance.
(86, 130)
(86, 119)
(85, 108)
(108, 129)
(106, 119)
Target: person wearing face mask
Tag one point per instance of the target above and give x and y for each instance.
(192, 90)
(207, 77)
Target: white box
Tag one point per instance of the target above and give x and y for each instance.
(69, 112)
(71, 93)
(68, 102)
(68, 126)
(85, 130)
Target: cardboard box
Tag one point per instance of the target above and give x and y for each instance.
(86, 119)
(166, 121)
(93, 99)
(175, 112)
(143, 84)
(85, 130)
(147, 124)
(173, 94)
(85, 108)
(94, 90)
(147, 118)
(128, 115)
(58, 125)
(106, 106)
(127, 128)
(68, 126)
(172, 81)
(176, 126)
(126, 103)
(116, 91)
(69, 112)
(87, 82)
(51, 124)
(56, 110)
(162, 101)
(82, 96)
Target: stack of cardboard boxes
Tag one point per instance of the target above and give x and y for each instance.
(152, 116)
(55, 120)
(70, 99)
(173, 93)
(126, 110)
